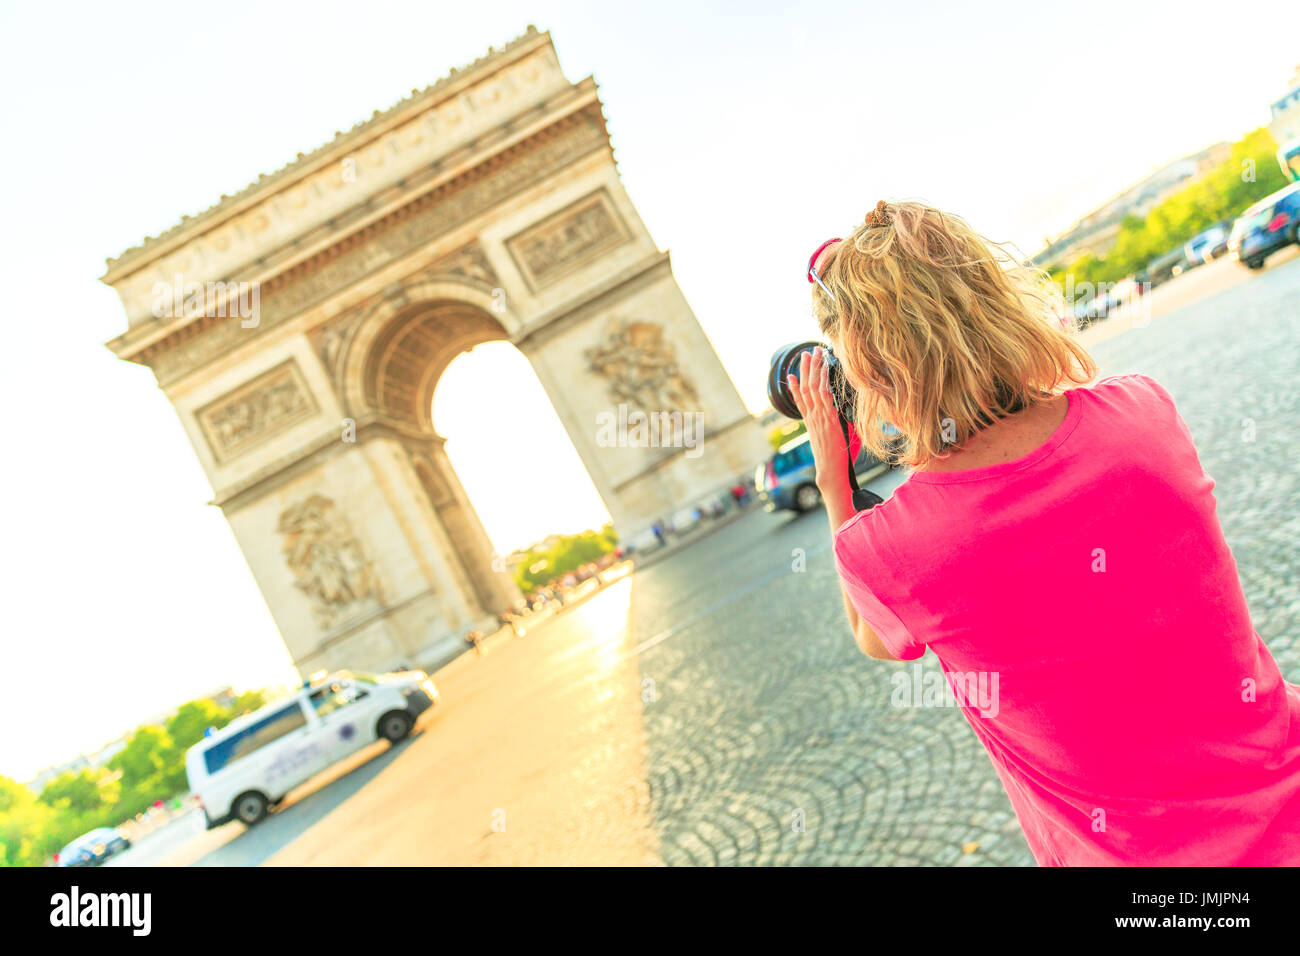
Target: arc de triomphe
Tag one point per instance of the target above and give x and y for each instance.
(300, 326)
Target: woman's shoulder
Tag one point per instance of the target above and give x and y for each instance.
(1133, 382)
(1133, 392)
(868, 530)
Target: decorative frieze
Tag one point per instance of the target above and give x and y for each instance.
(569, 239)
(267, 405)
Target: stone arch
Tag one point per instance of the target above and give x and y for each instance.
(390, 367)
(405, 361)
(395, 354)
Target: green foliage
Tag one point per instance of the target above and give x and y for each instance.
(81, 791)
(187, 725)
(12, 794)
(782, 433)
(150, 768)
(144, 755)
(247, 702)
(1250, 173)
(567, 553)
(28, 836)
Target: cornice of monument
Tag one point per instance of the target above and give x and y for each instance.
(343, 142)
(298, 260)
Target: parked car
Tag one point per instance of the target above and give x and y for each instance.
(1266, 227)
(788, 480)
(93, 848)
(1165, 267)
(1108, 298)
(242, 770)
(1207, 245)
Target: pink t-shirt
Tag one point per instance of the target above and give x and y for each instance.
(1086, 611)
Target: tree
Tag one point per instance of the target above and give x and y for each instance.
(81, 791)
(1250, 173)
(247, 702)
(145, 756)
(567, 553)
(187, 726)
(150, 768)
(27, 834)
(12, 794)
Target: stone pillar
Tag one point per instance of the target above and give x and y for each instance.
(486, 577)
(356, 565)
(638, 350)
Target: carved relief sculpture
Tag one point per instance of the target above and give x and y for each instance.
(326, 559)
(568, 239)
(266, 405)
(641, 367)
(470, 262)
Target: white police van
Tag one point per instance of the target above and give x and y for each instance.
(248, 766)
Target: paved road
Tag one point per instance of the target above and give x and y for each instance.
(712, 709)
(164, 845)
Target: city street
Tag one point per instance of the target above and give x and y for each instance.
(713, 709)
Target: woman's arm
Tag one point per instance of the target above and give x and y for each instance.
(831, 459)
(839, 508)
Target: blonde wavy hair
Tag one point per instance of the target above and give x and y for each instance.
(947, 329)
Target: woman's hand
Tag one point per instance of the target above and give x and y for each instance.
(812, 396)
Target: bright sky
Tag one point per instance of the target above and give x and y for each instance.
(746, 133)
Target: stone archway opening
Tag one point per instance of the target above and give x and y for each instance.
(401, 369)
(510, 449)
(409, 356)
(514, 431)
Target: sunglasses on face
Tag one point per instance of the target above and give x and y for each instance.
(812, 267)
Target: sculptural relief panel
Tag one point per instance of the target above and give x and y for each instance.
(568, 240)
(640, 366)
(267, 405)
(327, 560)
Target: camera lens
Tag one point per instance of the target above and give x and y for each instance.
(785, 362)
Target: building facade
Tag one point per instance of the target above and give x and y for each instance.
(1284, 113)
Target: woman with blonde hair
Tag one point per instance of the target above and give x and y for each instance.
(1056, 543)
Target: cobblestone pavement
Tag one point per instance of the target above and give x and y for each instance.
(712, 709)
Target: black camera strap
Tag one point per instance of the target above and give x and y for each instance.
(863, 499)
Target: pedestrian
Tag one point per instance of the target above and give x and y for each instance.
(475, 638)
(1056, 547)
(507, 619)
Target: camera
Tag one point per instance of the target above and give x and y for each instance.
(785, 362)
